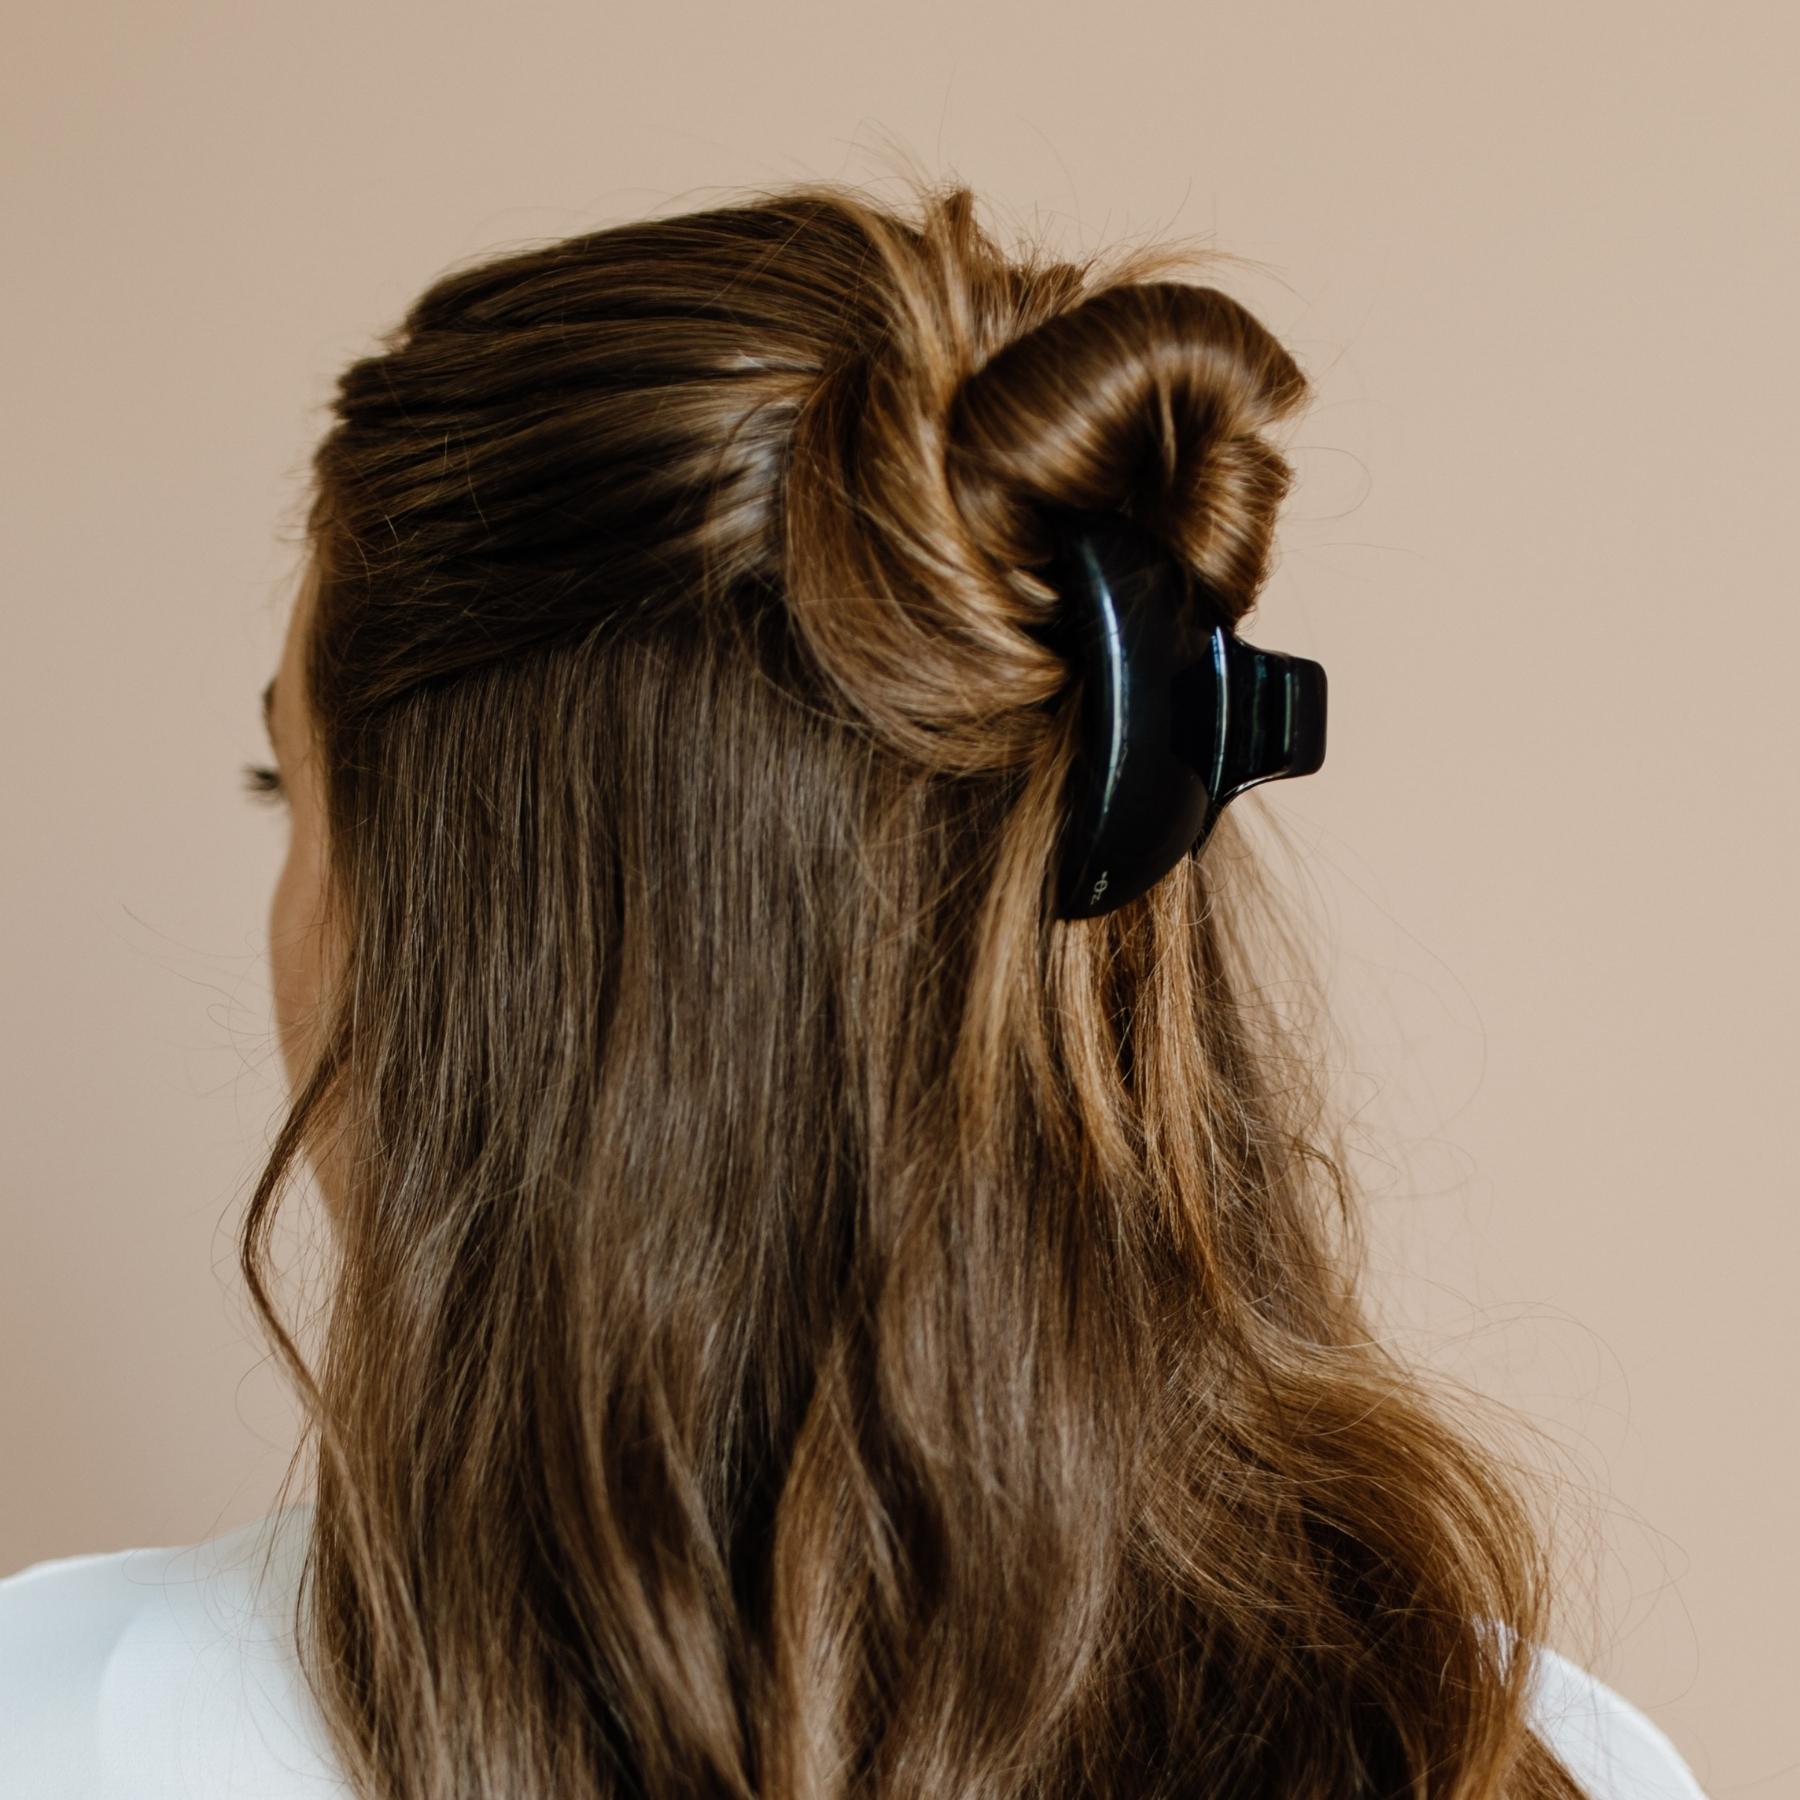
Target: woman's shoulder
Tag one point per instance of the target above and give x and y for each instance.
(171, 1672)
(1616, 1751)
(135, 1674)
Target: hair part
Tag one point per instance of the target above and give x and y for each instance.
(809, 1322)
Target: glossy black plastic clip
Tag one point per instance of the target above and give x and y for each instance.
(1178, 713)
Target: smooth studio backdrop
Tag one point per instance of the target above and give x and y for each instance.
(1540, 264)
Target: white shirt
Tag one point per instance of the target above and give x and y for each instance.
(171, 1674)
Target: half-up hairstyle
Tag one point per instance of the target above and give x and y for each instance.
(808, 1323)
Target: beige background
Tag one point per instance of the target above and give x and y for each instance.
(1541, 263)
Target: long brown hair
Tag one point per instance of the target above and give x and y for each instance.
(809, 1322)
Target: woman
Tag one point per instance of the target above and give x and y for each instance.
(808, 1319)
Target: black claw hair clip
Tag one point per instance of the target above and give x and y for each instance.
(1178, 713)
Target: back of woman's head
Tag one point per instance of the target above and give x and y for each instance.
(809, 1321)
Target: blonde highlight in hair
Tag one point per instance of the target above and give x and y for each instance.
(808, 1322)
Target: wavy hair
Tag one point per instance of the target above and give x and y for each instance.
(808, 1322)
